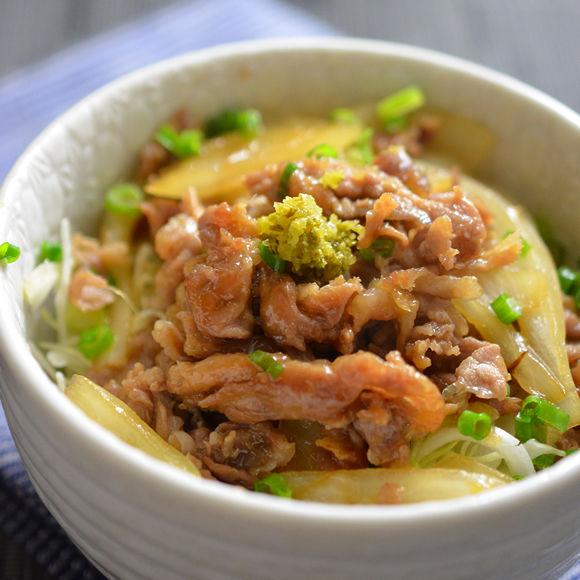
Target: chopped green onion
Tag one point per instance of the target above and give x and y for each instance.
(577, 299)
(544, 460)
(246, 121)
(526, 247)
(267, 363)
(506, 308)
(399, 104)
(475, 425)
(95, 341)
(396, 125)
(124, 200)
(518, 477)
(342, 115)
(276, 264)
(285, 179)
(382, 247)
(184, 144)
(51, 251)
(568, 279)
(527, 427)
(361, 152)
(191, 142)
(331, 179)
(545, 411)
(570, 451)
(9, 253)
(274, 484)
(321, 151)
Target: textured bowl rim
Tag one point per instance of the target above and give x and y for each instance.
(18, 358)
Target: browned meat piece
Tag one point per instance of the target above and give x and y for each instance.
(413, 139)
(242, 454)
(468, 228)
(439, 331)
(571, 319)
(384, 428)
(483, 373)
(219, 291)
(89, 291)
(345, 449)
(89, 253)
(177, 234)
(399, 296)
(396, 161)
(506, 406)
(222, 219)
(158, 211)
(316, 391)
(294, 314)
(352, 198)
(144, 391)
(153, 156)
(458, 229)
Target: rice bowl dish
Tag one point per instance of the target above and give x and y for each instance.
(271, 523)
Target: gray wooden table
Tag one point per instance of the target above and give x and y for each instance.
(537, 41)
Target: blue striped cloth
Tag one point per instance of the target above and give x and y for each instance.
(29, 100)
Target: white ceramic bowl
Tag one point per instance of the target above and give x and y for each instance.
(139, 519)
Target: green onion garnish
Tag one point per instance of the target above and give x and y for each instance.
(361, 152)
(285, 179)
(518, 477)
(545, 411)
(568, 278)
(400, 104)
(342, 115)
(247, 122)
(274, 484)
(267, 363)
(51, 251)
(321, 151)
(95, 341)
(396, 125)
(577, 299)
(506, 308)
(527, 428)
(9, 253)
(184, 144)
(544, 460)
(124, 200)
(570, 451)
(276, 264)
(382, 247)
(526, 247)
(475, 425)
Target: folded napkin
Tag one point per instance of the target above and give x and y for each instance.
(34, 96)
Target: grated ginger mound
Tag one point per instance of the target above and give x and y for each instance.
(315, 247)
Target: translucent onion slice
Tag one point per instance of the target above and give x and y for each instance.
(112, 414)
(507, 446)
(398, 485)
(40, 282)
(217, 173)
